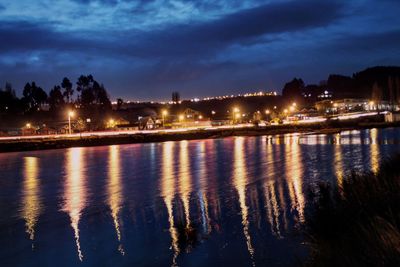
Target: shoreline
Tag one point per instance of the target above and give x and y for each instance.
(90, 141)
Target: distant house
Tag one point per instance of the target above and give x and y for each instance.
(10, 131)
(45, 130)
(191, 114)
(63, 129)
(392, 117)
(121, 122)
(342, 105)
(146, 123)
(127, 127)
(28, 130)
(220, 122)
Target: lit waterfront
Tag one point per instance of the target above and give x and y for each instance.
(242, 198)
(310, 121)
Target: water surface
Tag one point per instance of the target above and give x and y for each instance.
(225, 202)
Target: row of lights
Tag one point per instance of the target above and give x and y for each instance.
(236, 112)
(181, 117)
(273, 93)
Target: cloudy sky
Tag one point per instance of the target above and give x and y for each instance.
(145, 49)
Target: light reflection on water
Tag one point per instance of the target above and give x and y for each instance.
(233, 201)
(184, 179)
(168, 193)
(239, 175)
(75, 196)
(31, 204)
(374, 151)
(114, 187)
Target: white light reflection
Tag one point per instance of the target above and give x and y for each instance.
(239, 182)
(375, 153)
(31, 205)
(185, 186)
(75, 191)
(294, 170)
(205, 218)
(114, 189)
(168, 193)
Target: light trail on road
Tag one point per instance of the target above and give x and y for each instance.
(312, 120)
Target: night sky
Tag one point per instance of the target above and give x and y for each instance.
(146, 49)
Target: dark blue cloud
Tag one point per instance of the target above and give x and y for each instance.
(180, 39)
(103, 2)
(250, 24)
(198, 47)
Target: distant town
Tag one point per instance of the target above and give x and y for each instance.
(85, 106)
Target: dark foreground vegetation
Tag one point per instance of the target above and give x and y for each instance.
(357, 223)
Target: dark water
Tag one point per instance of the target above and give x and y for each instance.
(227, 202)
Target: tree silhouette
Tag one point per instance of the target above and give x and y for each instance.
(92, 94)
(176, 97)
(9, 103)
(120, 102)
(68, 91)
(56, 98)
(377, 93)
(293, 90)
(34, 96)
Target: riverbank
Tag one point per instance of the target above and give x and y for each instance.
(93, 140)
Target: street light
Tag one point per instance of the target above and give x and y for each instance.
(371, 105)
(70, 115)
(164, 113)
(200, 117)
(235, 114)
(286, 111)
(181, 118)
(267, 111)
(111, 123)
(335, 108)
(88, 121)
(28, 125)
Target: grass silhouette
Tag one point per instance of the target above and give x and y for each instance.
(358, 223)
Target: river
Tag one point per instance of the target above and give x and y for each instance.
(237, 201)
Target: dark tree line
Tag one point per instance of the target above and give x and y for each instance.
(9, 102)
(91, 97)
(377, 83)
